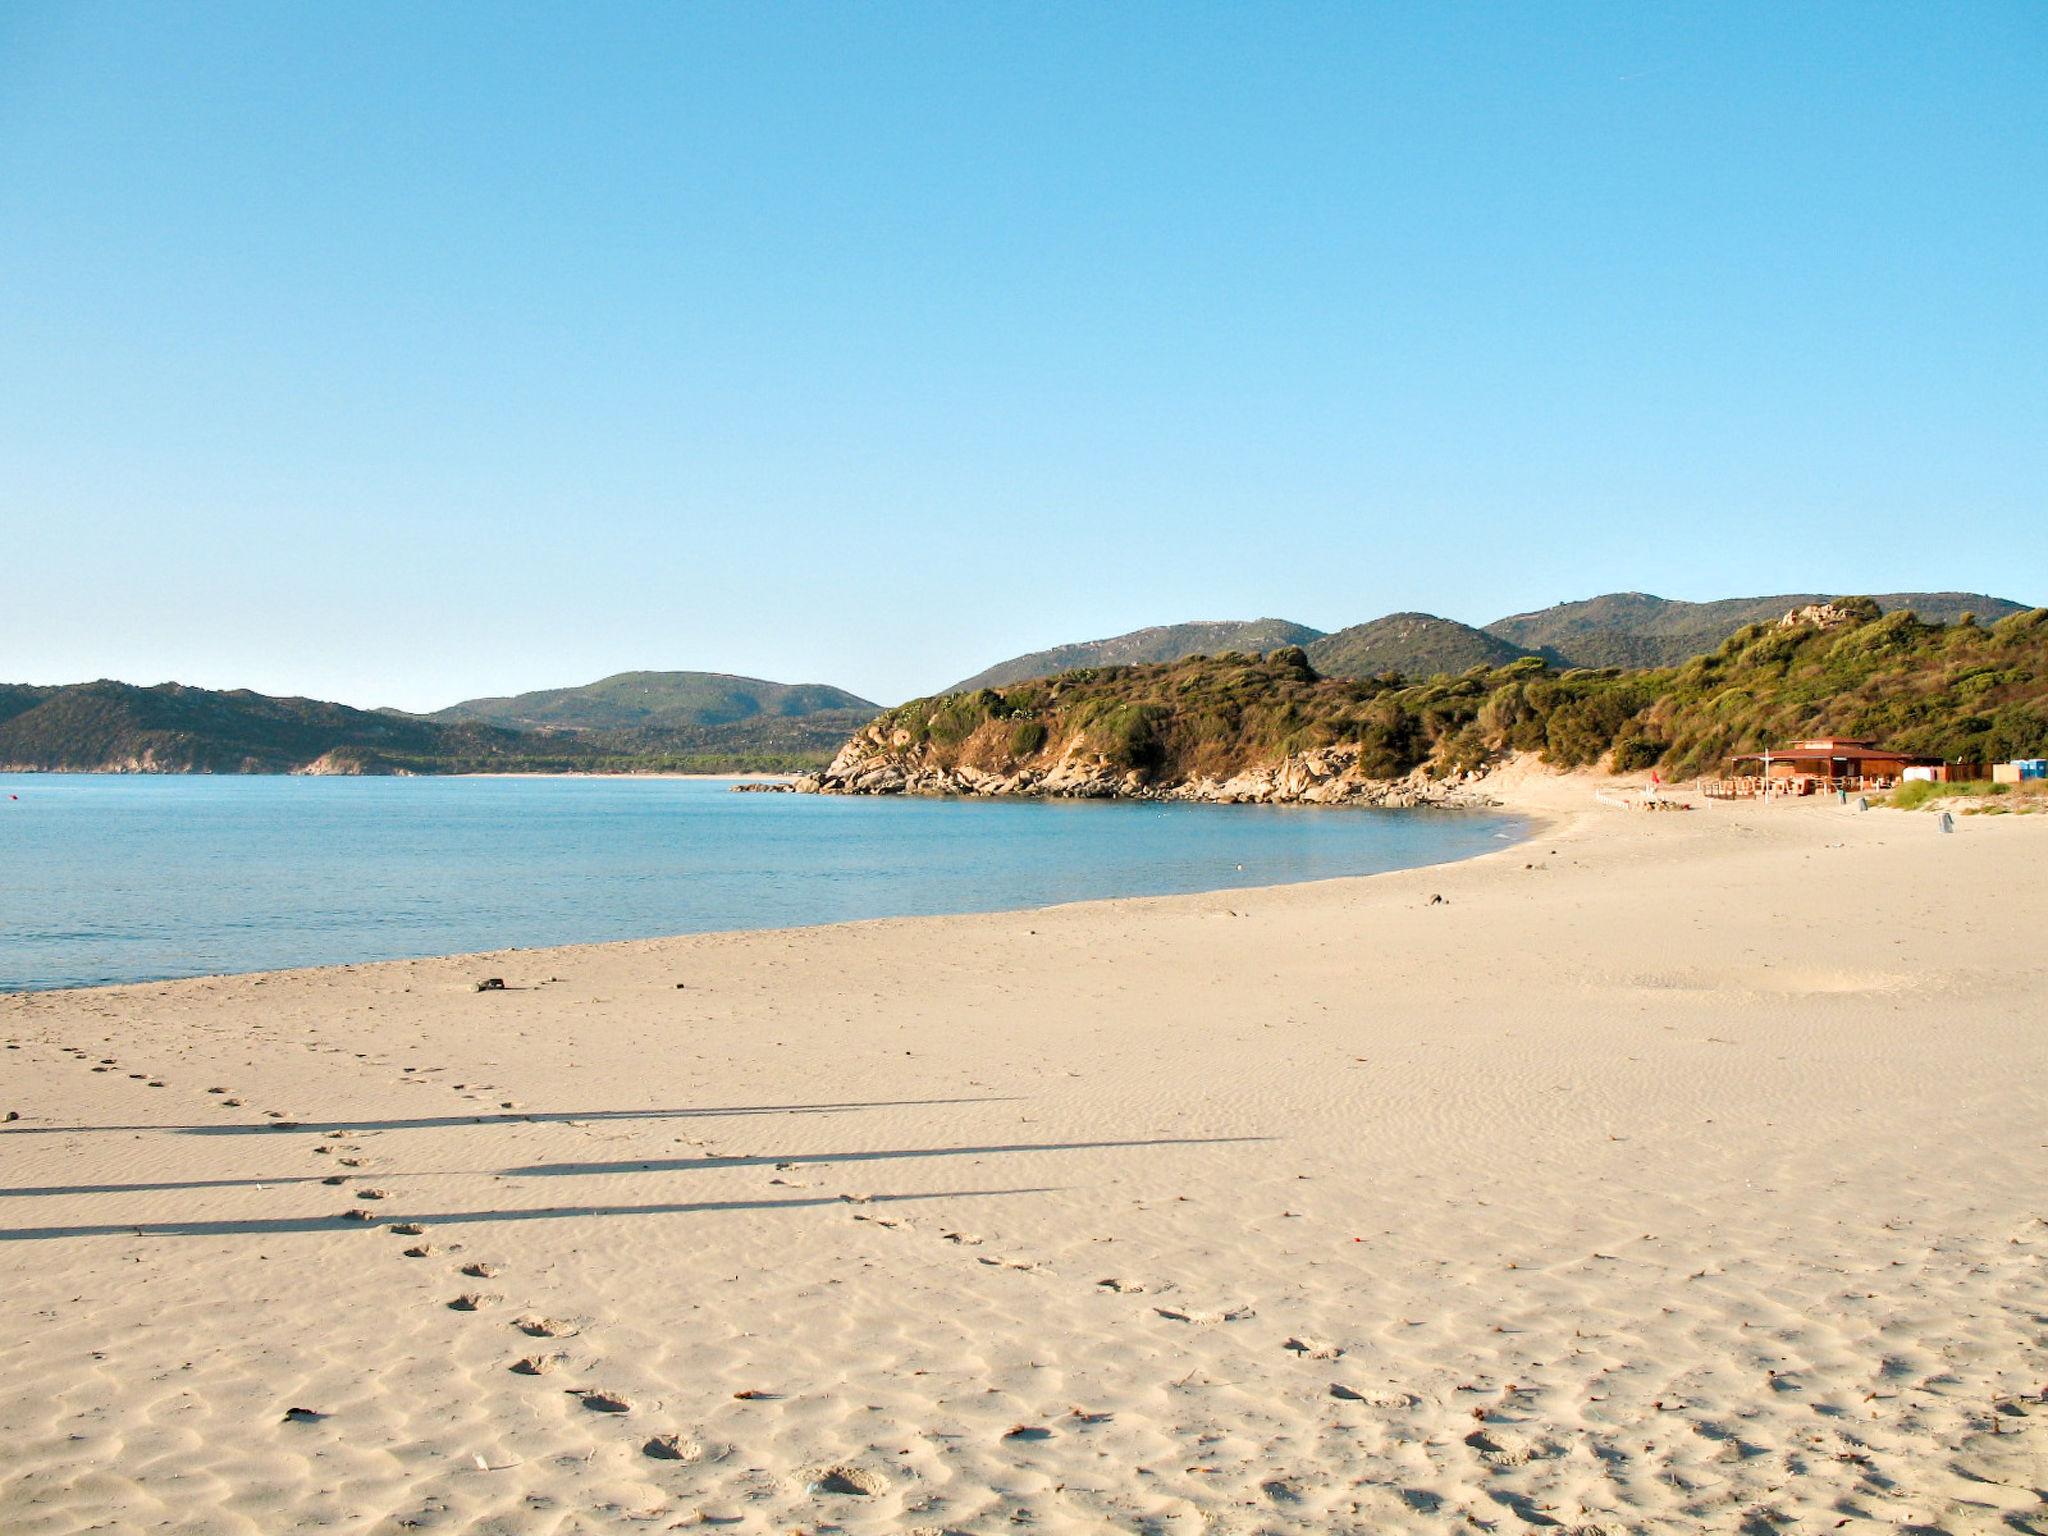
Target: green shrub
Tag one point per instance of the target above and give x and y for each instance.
(1917, 792)
(1637, 753)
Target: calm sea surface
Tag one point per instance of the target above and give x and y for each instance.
(106, 878)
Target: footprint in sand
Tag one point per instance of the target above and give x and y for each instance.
(373, 1194)
(1314, 1349)
(473, 1301)
(602, 1402)
(683, 1448)
(1374, 1399)
(537, 1365)
(857, 1481)
(543, 1328)
(480, 1270)
(1122, 1287)
(1505, 1448)
(407, 1229)
(1234, 1315)
(335, 1178)
(419, 1252)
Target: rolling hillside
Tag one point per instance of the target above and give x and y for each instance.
(658, 700)
(1412, 644)
(111, 727)
(1635, 629)
(1162, 642)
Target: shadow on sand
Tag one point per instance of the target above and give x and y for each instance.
(794, 1159)
(515, 1117)
(272, 1226)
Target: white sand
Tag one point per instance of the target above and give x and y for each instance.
(1692, 1179)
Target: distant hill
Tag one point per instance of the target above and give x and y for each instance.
(16, 698)
(1162, 642)
(659, 700)
(1635, 629)
(1416, 645)
(118, 727)
(111, 727)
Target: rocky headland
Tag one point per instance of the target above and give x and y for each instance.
(1332, 775)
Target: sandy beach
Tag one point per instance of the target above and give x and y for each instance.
(1670, 1172)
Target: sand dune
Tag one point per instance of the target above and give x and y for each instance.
(1671, 1173)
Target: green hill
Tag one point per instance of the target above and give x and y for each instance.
(1412, 644)
(174, 729)
(1635, 629)
(19, 698)
(1162, 642)
(1963, 691)
(112, 727)
(658, 700)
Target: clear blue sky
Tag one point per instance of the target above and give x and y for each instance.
(401, 353)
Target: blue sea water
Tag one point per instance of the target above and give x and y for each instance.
(110, 878)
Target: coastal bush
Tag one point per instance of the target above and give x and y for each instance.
(960, 715)
(1128, 735)
(1911, 796)
(1637, 753)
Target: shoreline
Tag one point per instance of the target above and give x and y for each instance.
(120, 773)
(713, 778)
(1331, 1205)
(1526, 825)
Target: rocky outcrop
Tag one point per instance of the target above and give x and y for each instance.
(345, 762)
(872, 764)
(1820, 616)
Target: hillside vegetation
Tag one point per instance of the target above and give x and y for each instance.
(1161, 642)
(1414, 644)
(659, 700)
(121, 728)
(1635, 629)
(1964, 690)
(1620, 629)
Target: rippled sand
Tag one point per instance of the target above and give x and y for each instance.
(1675, 1172)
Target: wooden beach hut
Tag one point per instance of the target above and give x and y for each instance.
(1817, 765)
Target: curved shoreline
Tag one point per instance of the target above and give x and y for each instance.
(1158, 863)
